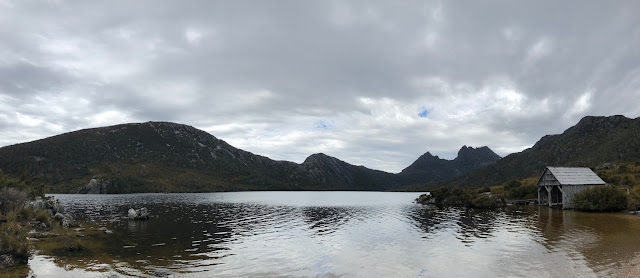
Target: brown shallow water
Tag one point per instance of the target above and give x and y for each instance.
(330, 234)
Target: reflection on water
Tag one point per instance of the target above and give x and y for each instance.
(338, 234)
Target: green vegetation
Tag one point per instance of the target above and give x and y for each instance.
(483, 197)
(44, 217)
(602, 198)
(622, 174)
(626, 176)
(13, 241)
(16, 218)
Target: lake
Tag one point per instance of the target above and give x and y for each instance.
(337, 234)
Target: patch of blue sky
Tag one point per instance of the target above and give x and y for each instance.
(423, 113)
(323, 125)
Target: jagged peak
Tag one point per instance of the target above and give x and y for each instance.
(428, 155)
(471, 151)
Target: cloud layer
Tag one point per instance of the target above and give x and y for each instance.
(375, 83)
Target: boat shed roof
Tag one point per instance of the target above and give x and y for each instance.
(575, 175)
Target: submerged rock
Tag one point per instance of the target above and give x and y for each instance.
(138, 214)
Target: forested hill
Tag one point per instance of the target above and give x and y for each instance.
(170, 157)
(591, 142)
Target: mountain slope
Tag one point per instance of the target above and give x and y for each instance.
(169, 157)
(329, 170)
(591, 142)
(154, 156)
(432, 168)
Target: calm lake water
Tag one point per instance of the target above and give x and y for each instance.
(339, 234)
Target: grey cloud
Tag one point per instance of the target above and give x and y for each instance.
(262, 74)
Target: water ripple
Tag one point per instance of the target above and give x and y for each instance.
(310, 234)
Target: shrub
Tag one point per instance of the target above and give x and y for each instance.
(512, 184)
(634, 199)
(44, 217)
(602, 198)
(27, 213)
(13, 241)
(486, 201)
(12, 216)
(12, 199)
(498, 192)
(628, 180)
(525, 191)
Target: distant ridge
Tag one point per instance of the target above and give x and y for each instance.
(170, 157)
(591, 142)
(435, 168)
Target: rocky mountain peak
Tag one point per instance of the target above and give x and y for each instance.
(483, 154)
(601, 123)
(430, 168)
(316, 158)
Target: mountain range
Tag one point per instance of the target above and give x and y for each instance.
(590, 143)
(170, 157)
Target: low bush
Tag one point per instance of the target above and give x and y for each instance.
(12, 216)
(44, 217)
(13, 241)
(27, 213)
(525, 191)
(463, 197)
(634, 199)
(12, 199)
(487, 201)
(602, 198)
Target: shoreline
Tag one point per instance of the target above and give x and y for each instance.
(630, 269)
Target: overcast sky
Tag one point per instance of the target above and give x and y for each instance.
(374, 83)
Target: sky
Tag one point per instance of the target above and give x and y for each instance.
(373, 83)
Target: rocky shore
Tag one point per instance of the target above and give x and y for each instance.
(631, 269)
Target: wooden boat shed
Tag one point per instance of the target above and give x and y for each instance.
(558, 185)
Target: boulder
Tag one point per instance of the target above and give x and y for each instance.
(138, 214)
(132, 213)
(38, 204)
(48, 203)
(68, 223)
(59, 216)
(57, 207)
(66, 220)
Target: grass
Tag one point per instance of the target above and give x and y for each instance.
(27, 213)
(44, 217)
(12, 216)
(13, 241)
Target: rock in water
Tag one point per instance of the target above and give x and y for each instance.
(68, 223)
(132, 214)
(138, 214)
(143, 213)
(59, 216)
